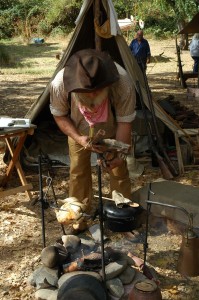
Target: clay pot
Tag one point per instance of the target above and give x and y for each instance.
(188, 262)
(145, 290)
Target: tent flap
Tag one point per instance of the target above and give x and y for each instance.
(192, 26)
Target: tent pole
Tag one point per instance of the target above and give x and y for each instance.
(181, 75)
(98, 46)
(97, 15)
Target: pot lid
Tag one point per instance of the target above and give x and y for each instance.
(83, 285)
(146, 286)
(110, 209)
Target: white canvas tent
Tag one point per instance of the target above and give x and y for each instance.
(47, 138)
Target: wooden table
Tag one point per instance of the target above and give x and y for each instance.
(15, 146)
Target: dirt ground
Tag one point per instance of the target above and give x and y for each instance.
(20, 231)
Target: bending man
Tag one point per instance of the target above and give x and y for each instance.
(92, 93)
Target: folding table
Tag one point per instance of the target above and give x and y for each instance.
(15, 138)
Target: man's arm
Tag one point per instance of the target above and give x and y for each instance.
(123, 134)
(131, 47)
(66, 125)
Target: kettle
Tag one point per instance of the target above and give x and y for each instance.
(188, 261)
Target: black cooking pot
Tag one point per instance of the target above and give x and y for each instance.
(122, 219)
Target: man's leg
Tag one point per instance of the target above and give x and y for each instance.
(120, 181)
(80, 172)
(195, 66)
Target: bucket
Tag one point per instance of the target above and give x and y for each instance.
(188, 261)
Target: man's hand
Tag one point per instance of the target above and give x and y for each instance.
(68, 128)
(110, 160)
(86, 143)
(116, 162)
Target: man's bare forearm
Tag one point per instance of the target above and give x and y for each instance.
(123, 132)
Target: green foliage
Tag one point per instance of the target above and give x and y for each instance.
(6, 4)
(6, 24)
(160, 26)
(183, 9)
(21, 18)
(59, 31)
(27, 14)
(62, 12)
(124, 8)
(44, 28)
(4, 56)
(43, 17)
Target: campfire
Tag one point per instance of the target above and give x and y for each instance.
(78, 259)
(77, 266)
(78, 263)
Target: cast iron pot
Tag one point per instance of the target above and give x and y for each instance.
(122, 219)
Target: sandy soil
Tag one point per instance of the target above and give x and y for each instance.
(21, 239)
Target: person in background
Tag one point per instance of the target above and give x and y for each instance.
(194, 51)
(91, 93)
(141, 50)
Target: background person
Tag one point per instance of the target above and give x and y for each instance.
(194, 51)
(141, 50)
(102, 97)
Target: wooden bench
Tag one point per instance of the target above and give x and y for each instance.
(187, 75)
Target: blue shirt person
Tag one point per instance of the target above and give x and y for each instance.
(194, 51)
(141, 50)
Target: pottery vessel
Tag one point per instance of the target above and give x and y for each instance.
(145, 290)
(188, 261)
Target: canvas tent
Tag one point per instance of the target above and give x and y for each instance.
(47, 138)
(192, 26)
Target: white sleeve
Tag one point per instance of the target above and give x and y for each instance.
(59, 105)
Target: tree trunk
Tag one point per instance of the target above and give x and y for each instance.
(183, 43)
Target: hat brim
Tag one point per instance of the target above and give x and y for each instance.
(82, 283)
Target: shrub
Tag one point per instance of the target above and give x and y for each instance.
(4, 57)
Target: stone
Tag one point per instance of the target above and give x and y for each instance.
(71, 242)
(46, 294)
(87, 243)
(115, 287)
(114, 269)
(66, 276)
(50, 257)
(127, 276)
(116, 255)
(138, 277)
(43, 277)
(63, 253)
(95, 232)
(129, 259)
